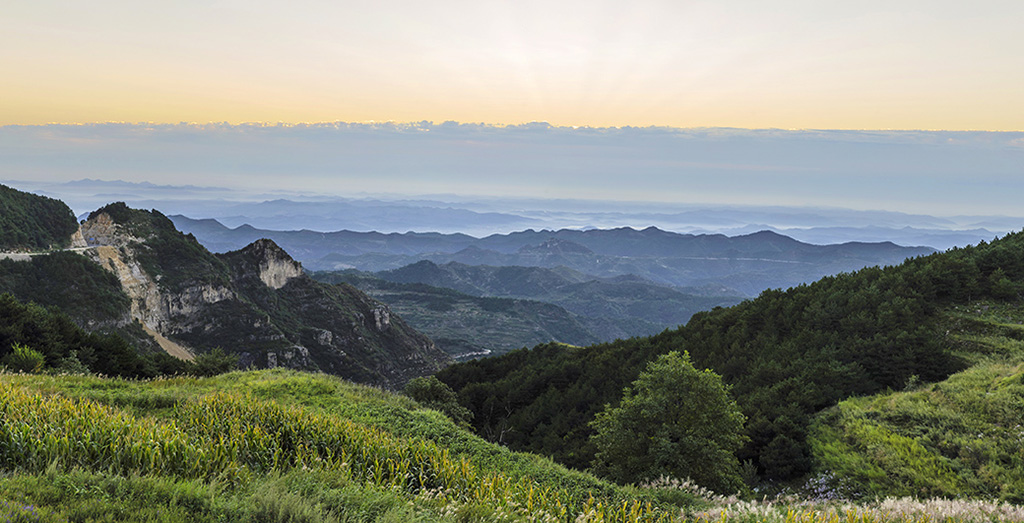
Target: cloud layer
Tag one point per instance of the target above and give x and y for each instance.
(936, 172)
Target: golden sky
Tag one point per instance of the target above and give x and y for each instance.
(895, 64)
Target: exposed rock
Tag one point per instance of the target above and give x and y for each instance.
(325, 337)
(78, 240)
(101, 230)
(276, 268)
(255, 302)
(382, 317)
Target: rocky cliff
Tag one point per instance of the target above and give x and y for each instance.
(255, 302)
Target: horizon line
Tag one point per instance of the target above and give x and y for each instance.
(413, 124)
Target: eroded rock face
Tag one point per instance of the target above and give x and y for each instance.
(382, 317)
(258, 304)
(277, 268)
(163, 312)
(140, 288)
(78, 239)
(101, 230)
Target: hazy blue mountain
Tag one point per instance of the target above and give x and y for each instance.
(481, 216)
(621, 297)
(748, 263)
(941, 239)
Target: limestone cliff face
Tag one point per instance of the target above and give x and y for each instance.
(160, 311)
(255, 302)
(78, 240)
(276, 268)
(343, 331)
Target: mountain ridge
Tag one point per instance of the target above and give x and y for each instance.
(748, 263)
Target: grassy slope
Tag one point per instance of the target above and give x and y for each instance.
(324, 449)
(961, 437)
(285, 446)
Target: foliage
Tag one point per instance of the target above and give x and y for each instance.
(786, 354)
(214, 362)
(56, 337)
(261, 423)
(238, 441)
(672, 421)
(65, 347)
(34, 223)
(23, 359)
(70, 281)
(957, 438)
(432, 394)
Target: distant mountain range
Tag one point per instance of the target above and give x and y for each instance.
(619, 297)
(744, 265)
(482, 216)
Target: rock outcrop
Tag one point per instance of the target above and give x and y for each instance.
(255, 302)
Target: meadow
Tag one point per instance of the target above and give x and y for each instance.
(282, 446)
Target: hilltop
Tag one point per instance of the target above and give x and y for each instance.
(33, 223)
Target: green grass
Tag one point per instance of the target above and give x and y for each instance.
(962, 437)
(268, 436)
(283, 446)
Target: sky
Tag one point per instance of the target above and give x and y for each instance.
(903, 105)
(791, 64)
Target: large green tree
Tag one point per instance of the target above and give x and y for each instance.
(675, 421)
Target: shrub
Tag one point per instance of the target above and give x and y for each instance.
(23, 359)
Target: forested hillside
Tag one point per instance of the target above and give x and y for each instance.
(33, 223)
(469, 327)
(787, 355)
(33, 338)
(608, 299)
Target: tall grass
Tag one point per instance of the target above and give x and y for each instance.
(234, 438)
(326, 452)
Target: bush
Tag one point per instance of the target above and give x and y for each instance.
(23, 359)
(215, 362)
(433, 394)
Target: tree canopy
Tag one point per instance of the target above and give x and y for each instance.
(32, 222)
(674, 421)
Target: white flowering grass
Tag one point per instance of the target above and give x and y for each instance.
(795, 509)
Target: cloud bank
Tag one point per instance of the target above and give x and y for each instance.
(936, 172)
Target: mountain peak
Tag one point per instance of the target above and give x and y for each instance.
(276, 267)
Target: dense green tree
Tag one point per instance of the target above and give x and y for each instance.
(433, 394)
(213, 363)
(32, 222)
(675, 421)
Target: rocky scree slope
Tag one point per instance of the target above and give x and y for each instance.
(255, 302)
